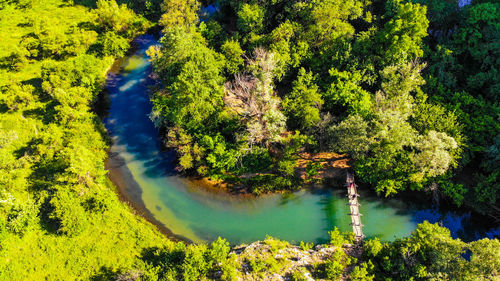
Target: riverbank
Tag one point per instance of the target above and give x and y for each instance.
(129, 192)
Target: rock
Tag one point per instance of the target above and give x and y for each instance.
(276, 277)
(308, 276)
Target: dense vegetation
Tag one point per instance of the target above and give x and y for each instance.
(60, 218)
(429, 253)
(409, 91)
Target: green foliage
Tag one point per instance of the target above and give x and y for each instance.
(350, 136)
(219, 251)
(275, 244)
(59, 216)
(213, 32)
(70, 217)
(431, 253)
(266, 183)
(338, 239)
(349, 75)
(361, 273)
(306, 246)
(345, 90)
(461, 77)
(234, 56)
(303, 104)
(293, 144)
(250, 18)
(299, 275)
(17, 96)
(475, 43)
(61, 220)
(257, 159)
(113, 16)
(401, 37)
(334, 266)
(192, 72)
(114, 45)
(230, 268)
(179, 13)
(195, 266)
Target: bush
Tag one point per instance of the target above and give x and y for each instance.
(195, 266)
(230, 268)
(372, 247)
(361, 273)
(219, 251)
(306, 246)
(338, 238)
(15, 61)
(334, 266)
(275, 244)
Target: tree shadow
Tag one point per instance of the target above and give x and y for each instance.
(104, 274)
(48, 223)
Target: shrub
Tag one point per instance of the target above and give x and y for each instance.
(338, 238)
(306, 246)
(230, 268)
(334, 266)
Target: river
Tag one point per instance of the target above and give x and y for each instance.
(147, 179)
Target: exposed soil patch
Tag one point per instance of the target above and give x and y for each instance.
(332, 165)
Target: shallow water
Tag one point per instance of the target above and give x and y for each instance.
(199, 215)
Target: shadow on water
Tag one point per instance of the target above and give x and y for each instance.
(147, 178)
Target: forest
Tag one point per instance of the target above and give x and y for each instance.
(407, 89)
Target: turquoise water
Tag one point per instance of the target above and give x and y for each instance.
(198, 215)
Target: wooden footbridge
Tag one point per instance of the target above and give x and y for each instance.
(352, 193)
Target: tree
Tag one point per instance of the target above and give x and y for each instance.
(289, 49)
(484, 261)
(252, 97)
(192, 72)
(113, 16)
(401, 38)
(476, 43)
(350, 136)
(346, 91)
(303, 104)
(179, 13)
(16, 96)
(434, 156)
(250, 18)
(114, 45)
(233, 53)
(429, 253)
(329, 19)
(70, 218)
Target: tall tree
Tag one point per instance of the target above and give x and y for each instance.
(304, 103)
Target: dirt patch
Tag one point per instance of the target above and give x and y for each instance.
(330, 165)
